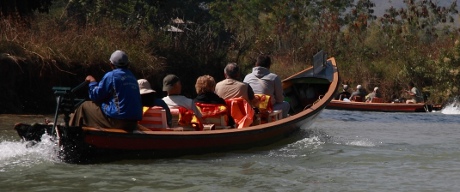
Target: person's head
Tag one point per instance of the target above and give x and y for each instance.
(147, 93)
(119, 59)
(376, 89)
(232, 71)
(411, 84)
(264, 61)
(172, 84)
(359, 87)
(205, 84)
(345, 87)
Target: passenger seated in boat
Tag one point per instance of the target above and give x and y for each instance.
(373, 94)
(149, 100)
(359, 94)
(344, 94)
(230, 87)
(414, 93)
(205, 86)
(174, 99)
(263, 81)
(115, 100)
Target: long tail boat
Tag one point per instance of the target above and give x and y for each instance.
(379, 107)
(308, 92)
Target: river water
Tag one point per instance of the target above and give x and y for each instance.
(341, 151)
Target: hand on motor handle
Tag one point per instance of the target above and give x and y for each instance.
(90, 78)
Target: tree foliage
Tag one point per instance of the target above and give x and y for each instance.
(23, 8)
(414, 42)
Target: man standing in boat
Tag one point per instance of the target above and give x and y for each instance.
(115, 100)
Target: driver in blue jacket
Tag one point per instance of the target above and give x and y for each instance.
(115, 100)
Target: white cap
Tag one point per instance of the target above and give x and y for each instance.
(119, 58)
(144, 86)
(359, 87)
(376, 88)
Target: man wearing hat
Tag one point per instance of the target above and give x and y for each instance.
(174, 99)
(115, 100)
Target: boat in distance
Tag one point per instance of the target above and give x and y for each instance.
(380, 107)
(308, 92)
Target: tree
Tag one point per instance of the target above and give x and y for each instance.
(23, 8)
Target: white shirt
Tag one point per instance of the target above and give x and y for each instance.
(176, 101)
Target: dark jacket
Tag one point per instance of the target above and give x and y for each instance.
(212, 98)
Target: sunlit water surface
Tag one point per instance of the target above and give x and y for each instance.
(341, 151)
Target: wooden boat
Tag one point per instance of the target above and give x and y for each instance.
(382, 107)
(308, 92)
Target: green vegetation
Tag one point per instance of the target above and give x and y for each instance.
(72, 39)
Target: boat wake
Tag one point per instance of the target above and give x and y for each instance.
(299, 148)
(453, 107)
(18, 155)
(361, 143)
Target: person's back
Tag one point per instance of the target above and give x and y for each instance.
(120, 86)
(263, 81)
(205, 86)
(115, 100)
(230, 87)
(359, 92)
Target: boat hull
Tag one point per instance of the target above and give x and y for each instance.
(108, 145)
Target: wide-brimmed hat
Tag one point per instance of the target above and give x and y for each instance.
(119, 58)
(144, 86)
(169, 81)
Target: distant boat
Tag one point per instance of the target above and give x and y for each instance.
(382, 107)
(308, 91)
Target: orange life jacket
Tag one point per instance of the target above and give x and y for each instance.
(241, 111)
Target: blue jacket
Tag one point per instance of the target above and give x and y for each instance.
(118, 95)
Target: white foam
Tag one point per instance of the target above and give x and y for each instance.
(453, 108)
(361, 143)
(292, 150)
(13, 154)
